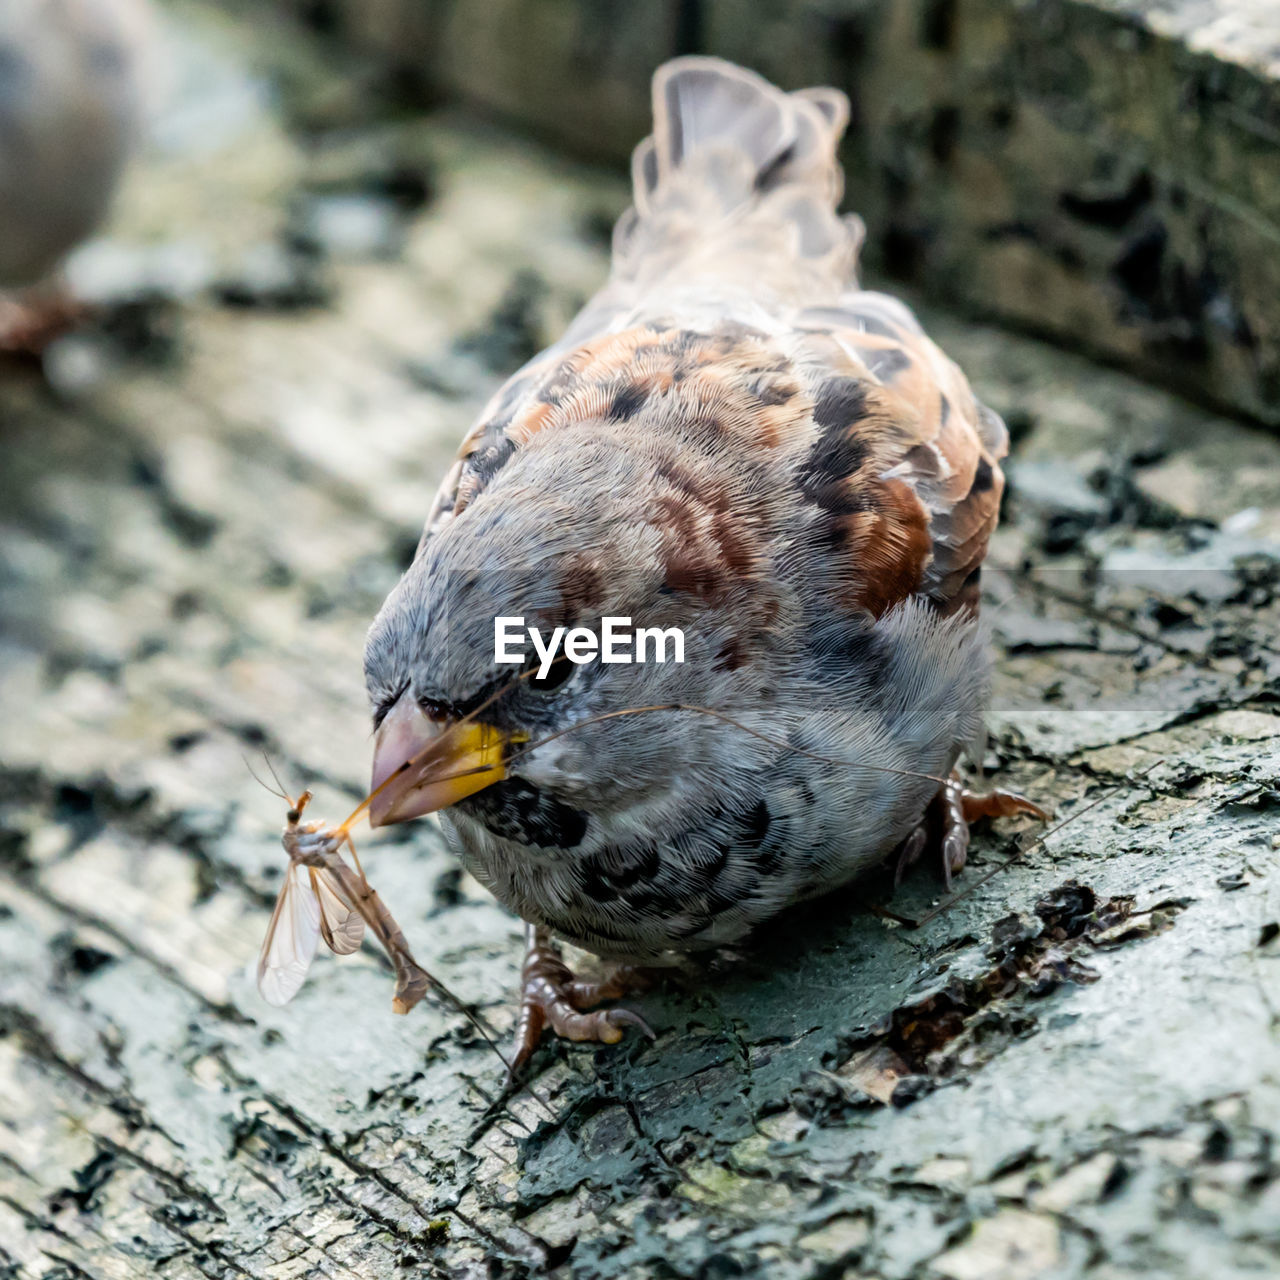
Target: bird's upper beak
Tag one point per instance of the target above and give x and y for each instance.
(421, 765)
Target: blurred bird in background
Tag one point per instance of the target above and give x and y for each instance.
(72, 89)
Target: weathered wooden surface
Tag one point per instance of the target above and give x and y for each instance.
(1106, 172)
(194, 542)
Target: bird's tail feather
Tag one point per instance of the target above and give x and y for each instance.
(726, 141)
(704, 103)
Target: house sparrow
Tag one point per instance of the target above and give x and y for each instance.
(70, 114)
(734, 439)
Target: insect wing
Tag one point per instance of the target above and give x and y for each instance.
(341, 925)
(292, 938)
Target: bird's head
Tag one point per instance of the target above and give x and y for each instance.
(636, 540)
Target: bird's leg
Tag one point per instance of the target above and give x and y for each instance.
(950, 812)
(31, 319)
(551, 995)
(910, 849)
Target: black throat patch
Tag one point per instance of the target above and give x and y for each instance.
(516, 810)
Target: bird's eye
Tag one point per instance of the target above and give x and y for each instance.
(558, 674)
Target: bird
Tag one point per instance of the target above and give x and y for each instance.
(735, 440)
(73, 79)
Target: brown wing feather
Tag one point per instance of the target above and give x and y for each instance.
(897, 463)
(927, 434)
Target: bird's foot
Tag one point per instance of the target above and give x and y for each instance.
(31, 320)
(948, 818)
(551, 995)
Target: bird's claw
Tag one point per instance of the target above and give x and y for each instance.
(551, 996)
(951, 812)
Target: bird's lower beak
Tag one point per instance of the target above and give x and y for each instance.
(421, 765)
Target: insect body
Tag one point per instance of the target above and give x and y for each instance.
(323, 897)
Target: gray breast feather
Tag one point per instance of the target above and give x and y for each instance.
(783, 827)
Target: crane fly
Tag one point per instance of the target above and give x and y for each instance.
(323, 897)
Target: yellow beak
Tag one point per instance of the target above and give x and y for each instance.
(421, 765)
